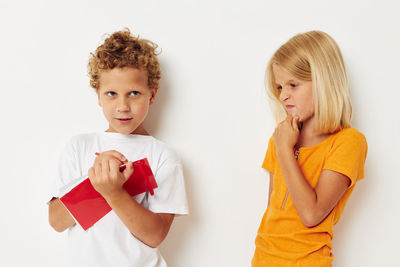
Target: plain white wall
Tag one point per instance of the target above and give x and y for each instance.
(211, 108)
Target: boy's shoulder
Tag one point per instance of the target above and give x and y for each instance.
(167, 153)
(78, 140)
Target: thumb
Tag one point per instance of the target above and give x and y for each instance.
(128, 170)
(295, 123)
(289, 117)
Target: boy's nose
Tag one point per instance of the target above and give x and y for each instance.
(123, 105)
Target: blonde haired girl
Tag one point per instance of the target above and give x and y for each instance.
(314, 157)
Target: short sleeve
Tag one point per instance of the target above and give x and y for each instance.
(68, 170)
(270, 157)
(170, 195)
(348, 154)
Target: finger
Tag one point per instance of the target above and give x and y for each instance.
(91, 174)
(295, 123)
(114, 168)
(105, 168)
(97, 170)
(289, 118)
(115, 154)
(128, 170)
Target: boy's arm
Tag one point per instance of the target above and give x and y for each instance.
(105, 175)
(149, 227)
(59, 217)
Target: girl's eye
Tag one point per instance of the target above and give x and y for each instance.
(111, 93)
(293, 85)
(134, 93)
(279, 87)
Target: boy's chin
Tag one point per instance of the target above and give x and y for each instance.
(119, 130)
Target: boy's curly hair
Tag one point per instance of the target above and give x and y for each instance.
(121, 49)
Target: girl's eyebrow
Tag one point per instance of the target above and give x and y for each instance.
(289, 81)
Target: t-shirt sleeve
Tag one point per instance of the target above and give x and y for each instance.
(68, 170)
(170, 195)
(270, 157)
(347, 155)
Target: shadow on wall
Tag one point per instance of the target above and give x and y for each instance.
(176, 241)
(348, 222)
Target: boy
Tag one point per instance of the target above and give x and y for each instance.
(125, 74)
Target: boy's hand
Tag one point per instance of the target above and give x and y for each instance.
(286, 133)
(105, 174)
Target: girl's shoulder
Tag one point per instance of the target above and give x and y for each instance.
(350, 133)
(351, 137)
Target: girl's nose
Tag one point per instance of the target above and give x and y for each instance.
(285, 94)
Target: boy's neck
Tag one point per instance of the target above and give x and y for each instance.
(139, 130)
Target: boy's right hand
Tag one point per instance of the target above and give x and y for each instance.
(105, 174)
(113, 153)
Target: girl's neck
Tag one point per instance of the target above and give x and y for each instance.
(308, 137)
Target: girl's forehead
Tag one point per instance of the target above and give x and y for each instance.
(281, 75)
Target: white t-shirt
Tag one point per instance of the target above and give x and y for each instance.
(108, 242)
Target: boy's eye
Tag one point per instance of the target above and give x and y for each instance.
(134, 93)
(111, 93)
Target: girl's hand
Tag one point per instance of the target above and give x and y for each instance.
(105, 175)
(286, 133)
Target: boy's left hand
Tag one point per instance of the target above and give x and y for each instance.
(286, 133)
(106, 177)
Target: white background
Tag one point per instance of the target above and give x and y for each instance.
(211, 108)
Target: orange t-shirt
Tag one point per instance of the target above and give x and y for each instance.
(282, 239)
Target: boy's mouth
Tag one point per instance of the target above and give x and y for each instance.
(124, 120)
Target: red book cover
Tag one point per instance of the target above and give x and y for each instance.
(87, 206)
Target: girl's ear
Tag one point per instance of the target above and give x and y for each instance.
(153, 96)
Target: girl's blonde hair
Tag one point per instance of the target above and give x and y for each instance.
(314, 56)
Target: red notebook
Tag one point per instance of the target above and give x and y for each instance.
(87, 206)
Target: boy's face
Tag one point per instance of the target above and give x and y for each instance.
(125, 98)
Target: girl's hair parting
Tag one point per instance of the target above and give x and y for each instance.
(314, 56)
(120, 50)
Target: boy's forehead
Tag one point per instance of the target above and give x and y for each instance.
(126, 75)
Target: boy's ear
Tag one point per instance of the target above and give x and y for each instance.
(153, 96)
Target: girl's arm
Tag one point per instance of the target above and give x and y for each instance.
(59, 217)
(149, 227)
(312, 204)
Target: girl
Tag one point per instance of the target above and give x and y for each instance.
(314, 157)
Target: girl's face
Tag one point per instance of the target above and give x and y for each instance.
(295, 94)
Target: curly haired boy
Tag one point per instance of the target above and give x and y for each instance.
(125, 73)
